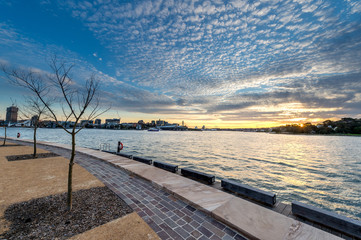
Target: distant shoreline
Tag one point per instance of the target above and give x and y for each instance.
(218, 130)
(319, 134)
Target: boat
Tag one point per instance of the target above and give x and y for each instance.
(153, 130)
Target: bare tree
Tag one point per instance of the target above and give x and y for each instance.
(77, 103)
(34, 109)
(4, 135)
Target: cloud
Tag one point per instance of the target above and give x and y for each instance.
(226, 58)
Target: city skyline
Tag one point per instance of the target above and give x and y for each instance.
(214, 63)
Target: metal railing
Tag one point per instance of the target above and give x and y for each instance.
(104, 146)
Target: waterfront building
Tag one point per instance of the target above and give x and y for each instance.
(86, 123)
(98, 121)
(112, 121)
(161, 123)
(12, 114)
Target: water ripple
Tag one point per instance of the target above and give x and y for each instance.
(319, 170)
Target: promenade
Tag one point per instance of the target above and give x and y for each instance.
(179, 208)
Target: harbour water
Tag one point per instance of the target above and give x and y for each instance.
(324, 171)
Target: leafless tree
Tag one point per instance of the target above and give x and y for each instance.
(34, 109)
(76, 102)
(5, 127)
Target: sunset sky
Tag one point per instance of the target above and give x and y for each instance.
(215, 63)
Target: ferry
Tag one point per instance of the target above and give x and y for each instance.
(153, 130)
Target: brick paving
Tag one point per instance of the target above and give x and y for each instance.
(169, 217)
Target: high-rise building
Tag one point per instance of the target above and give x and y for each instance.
(12, 114)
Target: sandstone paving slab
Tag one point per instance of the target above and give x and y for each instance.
(203, 197)
(261, 223)
(126, 165)
(173, 182)
(112, 158)
(122, 160)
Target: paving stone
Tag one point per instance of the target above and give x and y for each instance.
(205, 231)
(229, 232)
(227, 237)
(170, 223)
(187, 218)
(175, 218)
(196, 234)
(181, 222)
(213, 229)
(163, 235)
(183, 233)
(167, 205)
(154, 226)
(149, 212)
(239, 237)
(164, 210)
(203, 238)
(170, 232)
(190, 208)
(157, 219)
(188, 228)
(160, 214)
(195, 224)
(191, 238)
(179, 213)
(198, 218)
(186, 211)
(218, 224)
(214, 237)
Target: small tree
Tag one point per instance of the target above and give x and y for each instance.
(34, 109)
(77, 103)
(4, 135)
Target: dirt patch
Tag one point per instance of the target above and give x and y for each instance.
(30, 156)
(47, 218)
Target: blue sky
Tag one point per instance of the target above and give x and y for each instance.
(218, 63)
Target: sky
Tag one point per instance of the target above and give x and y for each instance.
(216, 63)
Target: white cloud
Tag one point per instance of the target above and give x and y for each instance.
(215, 48)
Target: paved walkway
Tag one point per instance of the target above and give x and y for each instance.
(170, 218)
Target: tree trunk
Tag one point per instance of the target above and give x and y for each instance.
(70, 175)
(4, 137)
(35, 127)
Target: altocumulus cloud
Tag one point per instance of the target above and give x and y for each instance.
(197, 49)
(230, 59)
